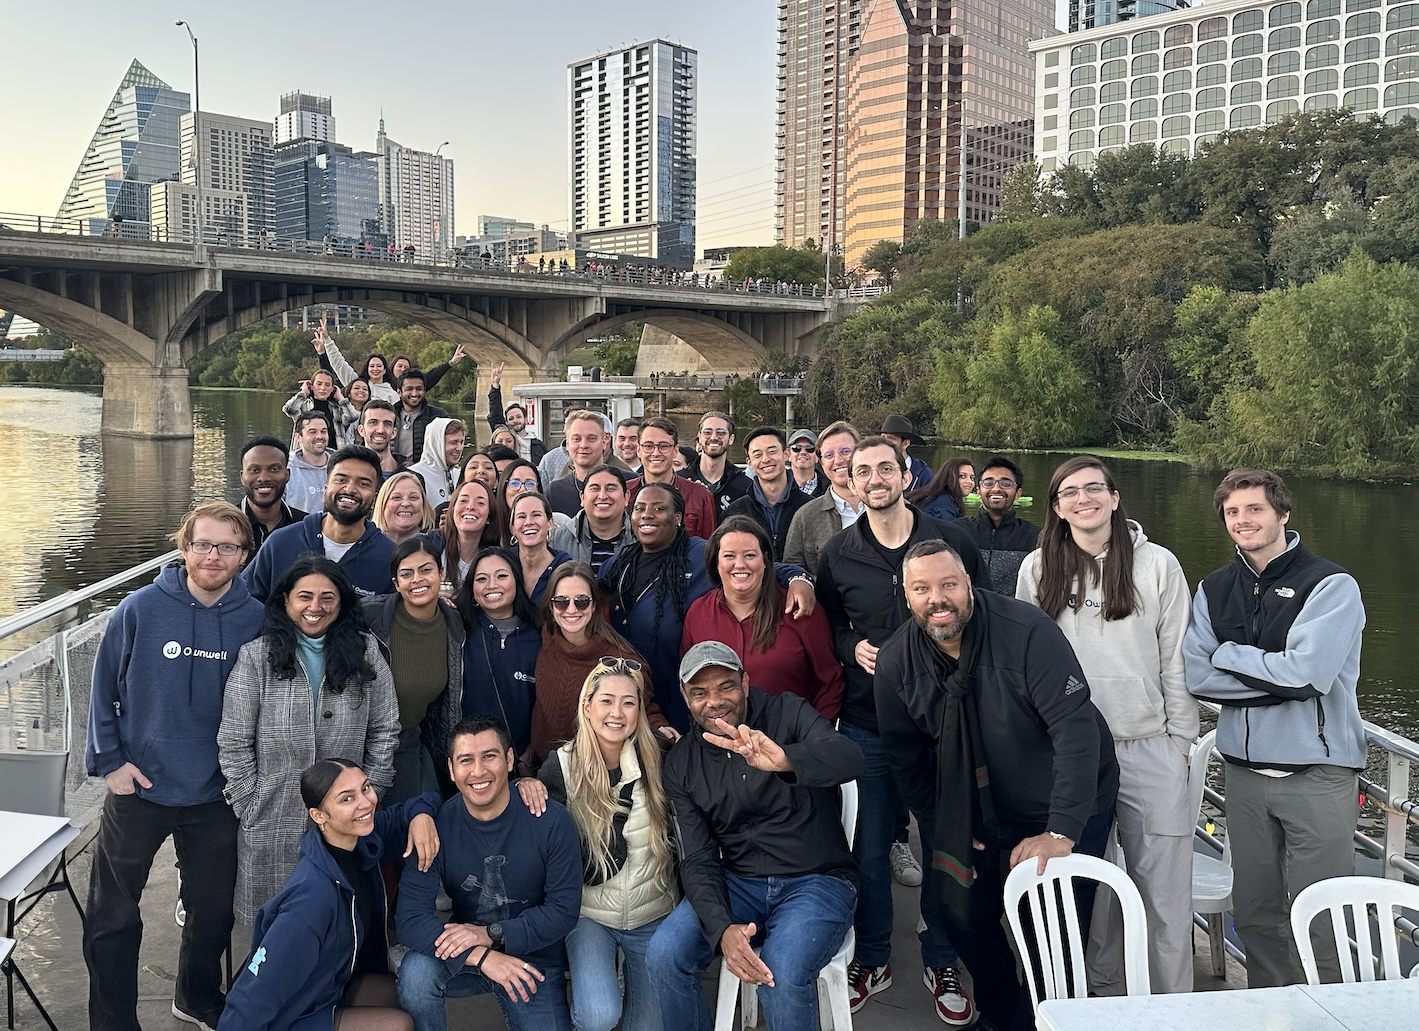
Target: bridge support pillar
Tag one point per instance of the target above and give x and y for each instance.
(141, 401)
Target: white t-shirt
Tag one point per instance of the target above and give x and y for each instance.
(335, 552)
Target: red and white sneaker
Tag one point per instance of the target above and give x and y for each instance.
(953, 1005)
(865, 982)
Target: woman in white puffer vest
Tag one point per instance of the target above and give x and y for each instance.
(608, 777)
(1123, 603)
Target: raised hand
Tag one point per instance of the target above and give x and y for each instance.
(758, 749)
(497, 373)
(458, 355)
(321, 338)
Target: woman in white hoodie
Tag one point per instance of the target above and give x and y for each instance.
(1122, 601)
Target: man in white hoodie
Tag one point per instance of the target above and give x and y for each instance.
(438, 466)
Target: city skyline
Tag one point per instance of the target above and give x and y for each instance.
(513, 77)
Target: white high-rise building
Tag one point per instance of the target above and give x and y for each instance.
(632, 149)
(235, 158)
(304, 117)
(415, 198)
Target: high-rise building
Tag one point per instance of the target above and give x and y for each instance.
(816, 39)
(1090, 14)
(236, 163)
(1179, 79)
(136, 144)
(326, 192)
(304, 117)
(922, 71)
(632, 149)
(415, 197)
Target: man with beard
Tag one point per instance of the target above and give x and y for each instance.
(859, 587)
(627, 447)
(309, 462)
(414, 415)
(1003, 538)
(377, 430)
(985, 718)
(724, 480)
(529, 446)
(264, 475)
(343, 533)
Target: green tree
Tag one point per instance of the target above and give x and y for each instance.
(1317, 239)
(882, 257)
(1208, 346)
(1022, 193)
(800, 265)
(1018, 388)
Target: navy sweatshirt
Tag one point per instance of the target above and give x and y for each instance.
(499, 676)
(158, 682)
(519, 870)
(367, 561)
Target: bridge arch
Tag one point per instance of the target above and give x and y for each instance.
(723, 344)
(105, 337)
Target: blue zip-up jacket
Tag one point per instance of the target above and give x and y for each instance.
(367, 561)
(159, 677)
(305, 940)
(499, 676)
(539, 589)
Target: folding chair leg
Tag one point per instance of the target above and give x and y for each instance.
(1217, 942)
(12, 971)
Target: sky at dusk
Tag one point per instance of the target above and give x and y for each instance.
(488, 76)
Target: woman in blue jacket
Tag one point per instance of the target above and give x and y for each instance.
(318, 956)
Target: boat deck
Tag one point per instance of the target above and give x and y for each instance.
(49, 953)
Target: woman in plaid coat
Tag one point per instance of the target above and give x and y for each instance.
(313, 686)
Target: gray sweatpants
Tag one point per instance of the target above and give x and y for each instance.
(1287, 833)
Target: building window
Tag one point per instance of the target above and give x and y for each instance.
(1052, 59)
(1081, 140)
(1147, 86)
(1285, 86)
(1174, 81)
(1322, 57)
(1323, 31)
(1279, 110)
(1246, 93)
(1402, 17)
(1084, 54)
(1082, 119)
(1246, 69)
(1211, 75)
(1362, 50)
(1362, 99)
(1284, 14)
(1399, 43)
(1319, 82)
(1211, 28)
(1113, 70)
(1113, 92)
(1180, 58)
(1145, 64)
(1245, 46)
(1248, 21)
(1211, 98)
(1282, 39)
(1083, 76)
(1143, 132)
(1086, 97)
(1211, 121)
(1144, 41)
(1177, 35)
(1051, 81)
(1209, 52)
(1322, 8)
(1116, 47)
(1401, 68)
(1179, 125)
(1322, 102)
(1178, 103)
(1111, 114)
(1362, 75)
(1280, 64)
(1143, 109)
(1111, 137)
(1245, 117)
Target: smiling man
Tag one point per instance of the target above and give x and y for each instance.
(601, 527)
(761, 845)
(377, 429)
(659, 438)
(773, 500)
(586, 442)
(264, 475)
(309, 462)
(343, 533)
(724, 480)
(1275, 640)
(1002, 537)
(515, 882)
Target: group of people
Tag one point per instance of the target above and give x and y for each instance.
(564, 724)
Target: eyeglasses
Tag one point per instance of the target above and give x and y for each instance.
(886, 471)
(714, 433)
(802, 449)
(1092, 490)
(616, 662)
(664, 447)
(842, 452)
(522, 484)
(1006, 484)
(581, 602)
(224, 549)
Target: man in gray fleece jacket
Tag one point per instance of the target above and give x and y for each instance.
(1275, 640)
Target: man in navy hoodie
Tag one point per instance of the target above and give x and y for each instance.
(343, 533)
(158, 680)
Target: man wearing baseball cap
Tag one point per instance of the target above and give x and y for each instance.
(899, 430)
(753, 790)
(803, 463)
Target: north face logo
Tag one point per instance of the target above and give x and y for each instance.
(1285, 592)
(1073, 685)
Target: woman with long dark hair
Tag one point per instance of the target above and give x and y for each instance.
(1123, 603)
(608, 777)
(945, 496)
(422, 639)
(575, 637)
(319, 956)
(519, 477)
(313, 685)
(373, 371)
(651, 584)
(531, 518)
(466, 528)
(504, 635)
(745, 611)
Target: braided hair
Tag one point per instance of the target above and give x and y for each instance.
(676, 576)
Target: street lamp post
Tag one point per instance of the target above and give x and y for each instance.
(196, 125)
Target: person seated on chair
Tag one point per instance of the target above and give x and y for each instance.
(761, 845)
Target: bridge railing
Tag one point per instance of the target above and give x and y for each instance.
(455, 257)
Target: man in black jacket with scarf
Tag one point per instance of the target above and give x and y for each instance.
(985, 716)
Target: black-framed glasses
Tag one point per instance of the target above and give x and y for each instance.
(581, 602)
(1005, 483)
(1091, 490)
(802, 449)
(663, 446)
(225, 549)
(616, 662)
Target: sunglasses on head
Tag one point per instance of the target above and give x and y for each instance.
(616, 662)
(581, 602)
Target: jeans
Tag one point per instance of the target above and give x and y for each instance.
(425, 982)
(131, 831)
(877, 807)
(801, 922)
(596, 998)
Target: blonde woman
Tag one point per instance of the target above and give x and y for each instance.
(402, 509)
(608, 777)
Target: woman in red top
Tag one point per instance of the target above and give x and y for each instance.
(745, 611)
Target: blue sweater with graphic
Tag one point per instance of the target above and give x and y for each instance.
(367, 561)
(519, 870)
(159, 677)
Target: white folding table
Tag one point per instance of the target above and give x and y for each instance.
(28, 845)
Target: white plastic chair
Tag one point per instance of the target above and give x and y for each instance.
(833, 1011)
(1335, 896)
(1211, 877)
(1053, 891)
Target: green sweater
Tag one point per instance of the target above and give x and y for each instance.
(418, 659)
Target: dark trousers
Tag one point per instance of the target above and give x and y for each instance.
(130, 833)
(982, 943)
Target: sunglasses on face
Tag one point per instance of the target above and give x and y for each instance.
(802, 449)
(581, 602)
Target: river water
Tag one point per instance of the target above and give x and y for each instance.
(79, 507)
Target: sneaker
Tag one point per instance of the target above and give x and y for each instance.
(953, 1006)
(905, 868)
(865, 982)
(208, 1023)
(180, 914)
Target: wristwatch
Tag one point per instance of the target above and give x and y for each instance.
(496, 936)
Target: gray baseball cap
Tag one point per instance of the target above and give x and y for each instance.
(708, 653)
(807, 435)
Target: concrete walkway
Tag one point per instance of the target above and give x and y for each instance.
(50, 956)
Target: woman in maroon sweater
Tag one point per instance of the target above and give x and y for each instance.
(575, 635)
(745, 611)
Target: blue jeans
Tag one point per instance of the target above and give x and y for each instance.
(802, 922)
(877, 806)
(425, 982)
(596, 998)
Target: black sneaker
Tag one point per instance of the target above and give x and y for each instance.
(207, 1022)
(865, 982)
